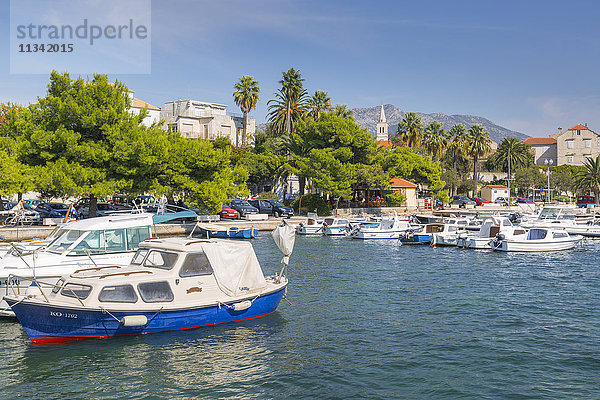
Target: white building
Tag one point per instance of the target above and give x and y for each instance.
(199, 119)
(382, 127)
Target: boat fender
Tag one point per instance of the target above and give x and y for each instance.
(134, 320)
(242, 305)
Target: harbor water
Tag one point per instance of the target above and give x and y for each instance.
(368, 320)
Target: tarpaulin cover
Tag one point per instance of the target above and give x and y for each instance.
(235, 267)
(284, 237)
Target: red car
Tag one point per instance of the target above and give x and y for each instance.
(480, 200)
(227, 212)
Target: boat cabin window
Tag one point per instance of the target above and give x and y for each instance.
(519, 232)
(506, 222)
(118, 294)
(560, 234)
(58, 286)
(115, 240)
(76, 290)
(155, 292)
(64, 240)
(195, 264)
(160, 259)
(137, 235)
(537, 234)
(139, 256)
(549, 213)
(329, 221)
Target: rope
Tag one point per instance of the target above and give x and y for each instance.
(9, 307)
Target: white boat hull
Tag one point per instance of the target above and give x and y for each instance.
(309, 230)
(378, 235)
(334, 231)
(537, 245)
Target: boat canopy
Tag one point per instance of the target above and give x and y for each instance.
(235, 267)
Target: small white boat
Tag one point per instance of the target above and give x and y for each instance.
(390, 227)
(312, 225)
(489, 229)
(558, 217)
(447, 234)
(335, 226)
(537, 239)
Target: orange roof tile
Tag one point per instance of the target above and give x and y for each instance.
(497, 186)
(403, 183)
(137, 103)
(579, 126)
(539, 140)
(385, 143)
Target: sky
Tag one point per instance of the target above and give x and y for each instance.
(530, 66)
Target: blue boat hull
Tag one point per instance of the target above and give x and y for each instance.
(45, 323)
(231, 233)
(417, 239)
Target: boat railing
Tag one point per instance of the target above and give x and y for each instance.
(13, 280)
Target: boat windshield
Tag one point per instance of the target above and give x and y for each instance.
(65, 240)
(99, 241)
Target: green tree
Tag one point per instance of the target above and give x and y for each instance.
(589, 178)
(318, 103)
(478, 144)
(435, 139)
(458, 144)
(511, 151)
(289, 104)
(342, 111)
(410, 130)
(529, 177)
(246, 97)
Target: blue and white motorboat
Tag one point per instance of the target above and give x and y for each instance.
(170, 284)
(335, 226)
(490, 228)
(223, 232)
(94, 242)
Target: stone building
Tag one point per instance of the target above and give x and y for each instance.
(199, 119)
(575, 144)
(543, 149)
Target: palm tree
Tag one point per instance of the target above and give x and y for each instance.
(458, 144)
(410, 129)
(246, 97)
(512, 153)
(435, 139)
(289, 103)
(589, 178)
(342, 111)
(318, 103)
(479, 143)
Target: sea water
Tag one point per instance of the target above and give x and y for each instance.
(367, 320)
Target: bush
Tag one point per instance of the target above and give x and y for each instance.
(312, 202)
(268, 195)
(395, 199)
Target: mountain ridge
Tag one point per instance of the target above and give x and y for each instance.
(369, 116)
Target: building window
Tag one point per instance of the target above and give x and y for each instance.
(578, 132)
(569, 159)
(587, 143)
(174, 127)
(570, 144)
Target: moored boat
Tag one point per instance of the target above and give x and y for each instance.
(170, 284)
(390, 227)
(537, 240)
(223, 232)
(491, 227)
(312, 225)
(334, 226)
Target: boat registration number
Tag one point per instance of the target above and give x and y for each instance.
(12, 282)
(62, 315)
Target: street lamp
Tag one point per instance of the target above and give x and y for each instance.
(548, 162)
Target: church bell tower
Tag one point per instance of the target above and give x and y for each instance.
(382, 127)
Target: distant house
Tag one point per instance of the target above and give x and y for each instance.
(407, 188)
(492, 192)
(200, 119)
(137, 105)
(575, 144)
(542, 149)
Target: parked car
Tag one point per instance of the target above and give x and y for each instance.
(102, 209)
(480, 201)
(272, 207)
(462, 201)
(524, 200)
(501, 200)
(55, 210)
(228, 213)
(584, 201)
(243, 207)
